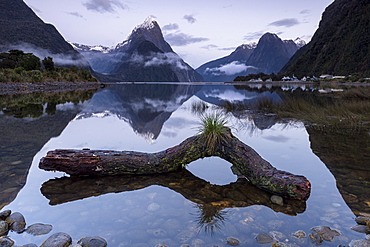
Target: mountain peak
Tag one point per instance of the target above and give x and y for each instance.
(300, 42)
(149, 23)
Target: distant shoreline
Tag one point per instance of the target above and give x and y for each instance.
(13, 88)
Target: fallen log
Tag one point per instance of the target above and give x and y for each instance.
(247, 161)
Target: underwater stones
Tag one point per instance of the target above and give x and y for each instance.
(264, 238)
(360, 229)
(33, 245)
(275, 224)
(6, 242)
(39, 229)
(277, 200)
(16, 222)
(185, 235)
(92, 242)
(321, 233)
(153, 207)
(4, 228)
(5, 214)
(59, 239)
(359, 243)
(279, 244)
(299, 234)
(232, 241)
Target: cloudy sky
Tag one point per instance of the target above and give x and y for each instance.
(199, 31)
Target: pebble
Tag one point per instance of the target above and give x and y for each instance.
(153, 207)
(264, 238)
(5, 214)
(16, 222)
(359, 243)
(59, 239)
(4, 228)
(299, 234)
(232, 241)
(39, 229)
(277, 200)
(92, 242)
(6, 242)
(279, 244)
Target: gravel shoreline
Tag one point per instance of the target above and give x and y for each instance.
(11, 88)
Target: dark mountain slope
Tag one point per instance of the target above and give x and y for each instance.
(340, 46)
(21, 28)
(212, 71)
(271, 54)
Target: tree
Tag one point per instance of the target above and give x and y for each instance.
(48, 63)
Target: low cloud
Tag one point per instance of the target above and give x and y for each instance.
(288, 22)
(158, 59)
(190, 18)
(182, 39)
(75, 14)
(58, 59)
(232, 68)
(170, 27)
(103, 6)
(208, 47)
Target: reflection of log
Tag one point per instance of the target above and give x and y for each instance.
(238, 194)
(101, 163)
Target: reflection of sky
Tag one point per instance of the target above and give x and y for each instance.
(228, 95)
(285, 146)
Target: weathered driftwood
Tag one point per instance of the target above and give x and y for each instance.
(248, 162)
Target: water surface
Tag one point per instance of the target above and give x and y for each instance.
(200, 206)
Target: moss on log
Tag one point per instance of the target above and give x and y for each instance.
(249, 163)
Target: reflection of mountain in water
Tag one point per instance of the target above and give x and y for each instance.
(249, 98)
(346, 154)
(20, 141)
(27, 123)
(145, 106)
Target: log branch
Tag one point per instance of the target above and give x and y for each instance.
(248, 162)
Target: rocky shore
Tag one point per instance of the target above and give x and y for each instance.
(16, 222)
(11, 88)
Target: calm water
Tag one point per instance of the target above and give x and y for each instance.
(185, 207)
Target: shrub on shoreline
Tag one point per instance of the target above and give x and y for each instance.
(42, 75)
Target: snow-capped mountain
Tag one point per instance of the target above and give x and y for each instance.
(144, 56)
(269, 55)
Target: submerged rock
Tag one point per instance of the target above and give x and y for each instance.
(264, 238)
(359, 243)
(277, 200)
(232, 241)
(5, 214)
(299, 234)
(92, 242)
(59, 239)
(16, 222)
(321, 233)
(360, 229)
(39, 229)
(4, 228)
(6, 242)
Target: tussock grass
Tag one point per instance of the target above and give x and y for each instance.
(212, 129)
